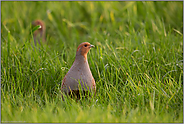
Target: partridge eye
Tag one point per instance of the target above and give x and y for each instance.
(85, 45)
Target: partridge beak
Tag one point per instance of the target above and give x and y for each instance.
(91, 46)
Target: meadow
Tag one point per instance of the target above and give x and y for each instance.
(137, 61)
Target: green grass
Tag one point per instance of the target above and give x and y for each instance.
(137, 61)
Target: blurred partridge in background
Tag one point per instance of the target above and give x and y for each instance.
(79, 73)
(39, 35)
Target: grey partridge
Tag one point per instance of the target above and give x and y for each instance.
(40, 33)
(79, 77)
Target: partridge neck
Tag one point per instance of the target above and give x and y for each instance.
(81, 58)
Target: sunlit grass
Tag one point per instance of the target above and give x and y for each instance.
(137, 61)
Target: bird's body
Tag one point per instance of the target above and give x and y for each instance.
(79, 76)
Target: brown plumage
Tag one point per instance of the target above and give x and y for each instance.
(79, 76)
(39, 35)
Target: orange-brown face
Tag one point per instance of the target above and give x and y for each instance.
(38, 22)
(83, 48)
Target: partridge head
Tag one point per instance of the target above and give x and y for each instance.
(40, 33)
(79, 77)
